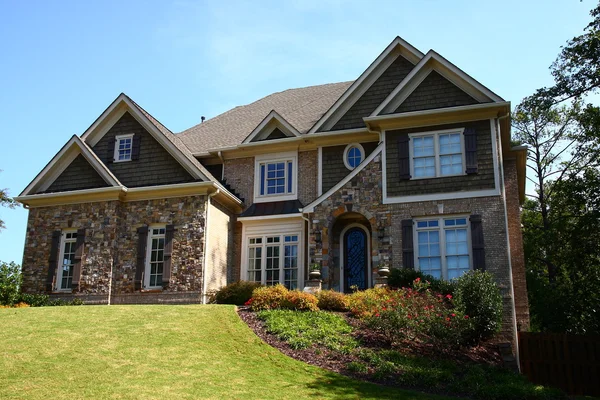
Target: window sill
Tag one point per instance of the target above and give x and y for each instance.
(121, 161)
(151, 290)
(273, 197)
(437, 177)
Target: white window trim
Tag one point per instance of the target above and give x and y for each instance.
(281, 244)
(343, 260)
(436, 148)
(59, 273)
(148, 255)
(441, 229)
(118, 138)
(347, 149)
(283, 227)
(273, 158)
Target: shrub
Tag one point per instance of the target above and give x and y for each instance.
(332, 301)
(268, 297)
(365, 303)
(405, 277)
(35, 300)
(236, 293)
(10, 283)
(16, 305)
(478, 296)
(300, 301)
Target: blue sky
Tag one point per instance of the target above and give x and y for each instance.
(63, 62)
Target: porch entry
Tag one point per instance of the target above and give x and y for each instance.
(355, 259)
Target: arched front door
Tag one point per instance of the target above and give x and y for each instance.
(355, 259)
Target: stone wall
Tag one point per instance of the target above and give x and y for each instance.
(111, 246)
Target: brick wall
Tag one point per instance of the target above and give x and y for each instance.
(239, 174)
(516, 244)
(155, 165)
(111, 245)
(307, 176)
(78, 175)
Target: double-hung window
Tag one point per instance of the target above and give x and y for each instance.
(155, 257)
(276, 178)
(123, 148)
(67, 257)
(437, 154)
(273, 259)
(442, 246)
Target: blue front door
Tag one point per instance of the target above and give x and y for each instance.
(355, 259)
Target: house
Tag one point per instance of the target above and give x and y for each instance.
(408, 166)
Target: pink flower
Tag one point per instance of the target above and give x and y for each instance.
(449, 296)
(466, 317)
(454, 315)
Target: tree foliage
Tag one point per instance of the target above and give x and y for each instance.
(6, 201)
(561, 220)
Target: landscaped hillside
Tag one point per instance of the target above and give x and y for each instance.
(156, 352)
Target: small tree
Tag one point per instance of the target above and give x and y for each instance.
(6, 201)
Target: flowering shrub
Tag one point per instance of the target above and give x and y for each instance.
(412, 314)
(300, 301)
(16, 305)
(405, 278)
(332, 301)
(268, 297)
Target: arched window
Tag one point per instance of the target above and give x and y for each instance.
(354, 154)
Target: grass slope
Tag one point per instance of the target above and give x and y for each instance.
(156, 352)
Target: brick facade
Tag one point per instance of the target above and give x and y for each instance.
(109, 258)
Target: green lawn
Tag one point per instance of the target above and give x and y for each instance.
(156, 352)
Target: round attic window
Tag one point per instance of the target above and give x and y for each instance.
(354, 154)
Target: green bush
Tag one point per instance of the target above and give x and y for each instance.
(478, 296)
(404, 278)
(35, 300)
(332, 301)
(300, 301)
(237, 293)
(10, 283)
(268, 297)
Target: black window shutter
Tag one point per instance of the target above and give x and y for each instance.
(135, 147)
(53, 260)
(79, 247)
(140, 265)
(168, 251)
(477, 242)
(404, 157)
(471, 150)
(408, 252)
(110, 151)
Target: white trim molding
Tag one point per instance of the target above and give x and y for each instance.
(62, 160)
(272, 121)
(435, 62)
(118, 139)
(311, 207)
(347, 149)
(320, 171)
(397, 48)
(284, 157)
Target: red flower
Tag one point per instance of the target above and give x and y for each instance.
(454, 315)
(418, 280)
(449, 296)
(249, 302)
(466, 317)
(447, 319)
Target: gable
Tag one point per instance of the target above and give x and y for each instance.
(276, 134)
(435, 92)
(375, 95)
(273, 126)
(155, 166)
(79, 175)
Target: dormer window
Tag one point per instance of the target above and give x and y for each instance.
(276, 177)
(123, 148)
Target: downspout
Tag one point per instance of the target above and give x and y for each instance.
(512, 286)
(307, 242)
(210, 196)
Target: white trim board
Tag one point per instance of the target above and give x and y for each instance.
(116, 110)
(310, 207)
(433, 61)
(397, 48)
(272, 120)
(62, 160)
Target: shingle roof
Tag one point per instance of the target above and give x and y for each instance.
(301, 107)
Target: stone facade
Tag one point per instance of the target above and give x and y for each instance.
(110, 252)
(361, 197)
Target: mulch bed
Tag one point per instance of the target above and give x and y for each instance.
(322, 357)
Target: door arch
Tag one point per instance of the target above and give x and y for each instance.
(355, 246)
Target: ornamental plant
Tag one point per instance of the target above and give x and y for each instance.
(268, 297)
(331, 300)
(236, 293)
(300, 301)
